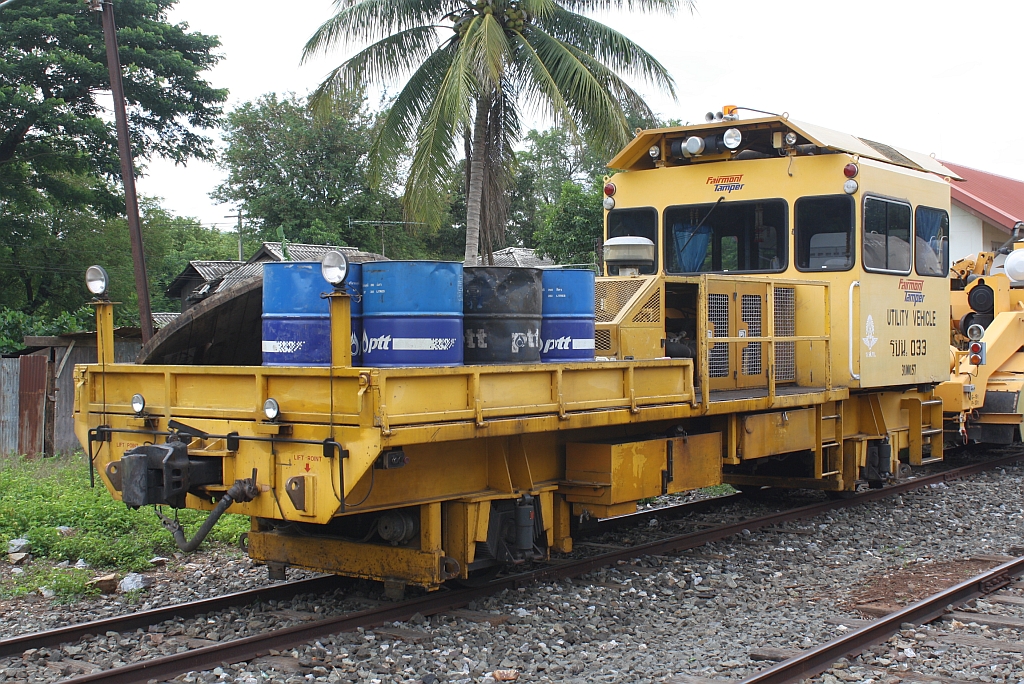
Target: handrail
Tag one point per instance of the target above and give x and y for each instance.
(855, 376)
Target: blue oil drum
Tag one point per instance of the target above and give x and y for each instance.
(296, 319)
(567, 316)
(412, 313)
(502, 307)
(354, 287)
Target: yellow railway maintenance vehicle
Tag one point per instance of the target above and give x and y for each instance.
(982, 399)
(773, 312)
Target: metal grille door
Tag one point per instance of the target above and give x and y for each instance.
(750, 311)
(718, 316)
(785, 326)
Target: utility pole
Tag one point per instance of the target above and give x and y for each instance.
(124, 150)
(239, 217)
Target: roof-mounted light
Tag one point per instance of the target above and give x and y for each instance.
(655, 151)
(791, 138)
(732, 138)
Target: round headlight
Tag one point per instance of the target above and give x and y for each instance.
(271, 409)
(732, 138)
(609, 203)
(791, 138)
(850, 187)
(334, 267)
(97, 280)
(655, 152)
(138, 403)
(975, 332)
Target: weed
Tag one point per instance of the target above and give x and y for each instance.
(37, 496)
(719, 490)
(133, 597)
(67, 584)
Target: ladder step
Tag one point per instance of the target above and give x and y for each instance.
(931, 402)
(829, 445)
(834, 416)
(930, 431)
(926, 461)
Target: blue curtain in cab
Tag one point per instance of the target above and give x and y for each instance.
(691, 249)
(929, 223)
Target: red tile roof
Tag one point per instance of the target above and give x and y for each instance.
(997, 199)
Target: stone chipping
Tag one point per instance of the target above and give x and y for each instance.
(698, 614)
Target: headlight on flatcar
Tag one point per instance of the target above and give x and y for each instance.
(334, 268)
(138, 403)
(97, 280)
(271, 409)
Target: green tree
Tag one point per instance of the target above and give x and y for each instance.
(472, 83)
(53, 68)
(573, 226)
(307, 176)
(58, 152)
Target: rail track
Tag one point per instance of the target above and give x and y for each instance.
(448, 599)
(816, 660)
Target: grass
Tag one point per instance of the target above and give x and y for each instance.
(67, 584)
(38, 496)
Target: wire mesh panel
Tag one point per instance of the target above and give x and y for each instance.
(718, 316)
(602, 341)
(750, 311)
(612, 295)
(650, 312)
(785, 326)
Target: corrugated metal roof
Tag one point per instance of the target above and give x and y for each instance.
(254, 269)
(634, 157)
(211, 270)
(240, 274)
(162, 318)
(520, 256)
(272, 251)
(997, 199)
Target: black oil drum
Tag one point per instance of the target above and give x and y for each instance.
(502, 308)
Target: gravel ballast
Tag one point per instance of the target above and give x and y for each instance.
(699, 614)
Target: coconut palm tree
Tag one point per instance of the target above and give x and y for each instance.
(471, 70)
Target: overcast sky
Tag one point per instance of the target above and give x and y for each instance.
(933, 76)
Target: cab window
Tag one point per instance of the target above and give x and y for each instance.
(886, 235)
(931, 242)
(641, 222)
(727, 237)
(824, 233)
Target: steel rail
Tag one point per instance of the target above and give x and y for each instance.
(249, 648)
(120, 623)
(820, 658)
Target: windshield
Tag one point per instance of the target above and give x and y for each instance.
(734, 236)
